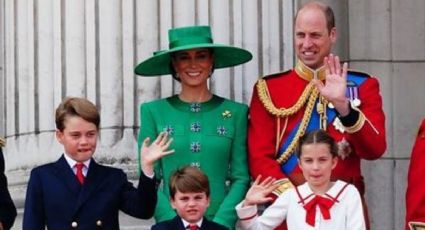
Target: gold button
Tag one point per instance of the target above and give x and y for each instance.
(99, 223)
(74, 224)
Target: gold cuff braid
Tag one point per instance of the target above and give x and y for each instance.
(359, 123)
(2, 142)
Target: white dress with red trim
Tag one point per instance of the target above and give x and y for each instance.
(340, 208)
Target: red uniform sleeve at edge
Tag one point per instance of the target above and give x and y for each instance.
(415, 194)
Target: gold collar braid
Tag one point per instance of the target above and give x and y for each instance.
(307, 73)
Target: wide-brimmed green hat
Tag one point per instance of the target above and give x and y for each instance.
(185, 38)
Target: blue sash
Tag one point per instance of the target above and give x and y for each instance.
(354, 80)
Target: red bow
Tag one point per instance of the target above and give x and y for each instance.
(324, 205)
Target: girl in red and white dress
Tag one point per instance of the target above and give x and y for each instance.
(319, 203)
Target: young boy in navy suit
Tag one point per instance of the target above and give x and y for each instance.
(75, 192)
(190, 197)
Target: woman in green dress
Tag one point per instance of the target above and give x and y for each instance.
(208, 131)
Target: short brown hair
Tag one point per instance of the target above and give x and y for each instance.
(317, 137)
(327, 11)
(189, 179)
(75, 106)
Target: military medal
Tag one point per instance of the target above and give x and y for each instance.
(352, 94)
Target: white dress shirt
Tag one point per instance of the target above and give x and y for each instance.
(185, 223)
(72, 163)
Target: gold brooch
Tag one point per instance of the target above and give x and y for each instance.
(226, 114)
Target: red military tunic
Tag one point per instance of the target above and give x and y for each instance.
(415, 195)
(366, 140)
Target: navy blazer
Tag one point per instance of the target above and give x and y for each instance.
(7, 208)
(56, 199)
(177, 224)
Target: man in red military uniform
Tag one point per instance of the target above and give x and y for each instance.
(415, 195)
(317, 93)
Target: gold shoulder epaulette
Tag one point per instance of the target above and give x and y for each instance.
(358, 73)
(263, 92)
(278, 74)
(2, 142)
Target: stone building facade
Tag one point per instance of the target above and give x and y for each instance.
(50, 49)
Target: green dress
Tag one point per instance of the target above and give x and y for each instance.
(209, 135)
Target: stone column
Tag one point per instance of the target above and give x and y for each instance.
(88, 48)
(2, 95)
(388, 40)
